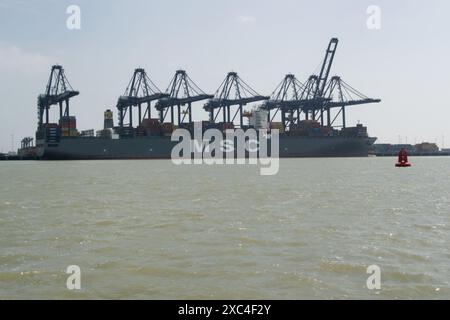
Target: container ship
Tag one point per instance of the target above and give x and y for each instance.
(310, 117)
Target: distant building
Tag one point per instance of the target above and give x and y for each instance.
(423, 148)
(387, 148)
(426, 147)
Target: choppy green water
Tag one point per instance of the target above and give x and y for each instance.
(149, 229)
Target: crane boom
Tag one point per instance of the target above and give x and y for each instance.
(326, 68)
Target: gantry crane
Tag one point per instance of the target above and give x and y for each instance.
(290, 99)
(334, 93)
(181, 92)
(26, 143)
(58, 92)
(232, 92)
(317, 96)
(339, 95)
(140, 91)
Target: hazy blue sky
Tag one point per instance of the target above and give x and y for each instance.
(405, 63)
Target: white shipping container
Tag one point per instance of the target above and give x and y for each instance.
(259, 119)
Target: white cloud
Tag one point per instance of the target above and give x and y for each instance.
(246, 19)
(13, 58)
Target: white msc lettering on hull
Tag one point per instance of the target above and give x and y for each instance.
(238, 147)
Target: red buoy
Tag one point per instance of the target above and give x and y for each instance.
(403, 159)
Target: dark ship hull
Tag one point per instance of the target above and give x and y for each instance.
(161, 147)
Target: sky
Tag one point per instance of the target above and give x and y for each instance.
(404, 62)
